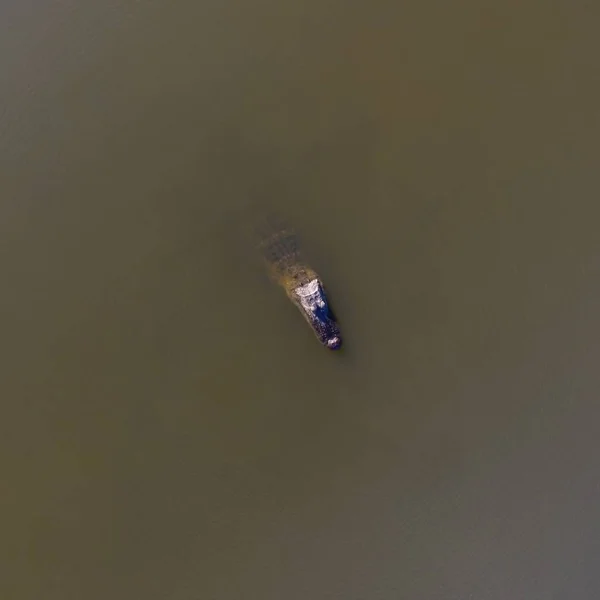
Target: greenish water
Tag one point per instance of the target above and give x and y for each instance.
(169, 426)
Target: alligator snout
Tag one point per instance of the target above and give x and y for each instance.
(334, 343)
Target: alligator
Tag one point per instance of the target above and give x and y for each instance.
(280, 249)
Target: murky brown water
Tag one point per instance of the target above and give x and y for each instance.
(171, 429)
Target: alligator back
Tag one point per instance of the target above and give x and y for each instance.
(281, 251)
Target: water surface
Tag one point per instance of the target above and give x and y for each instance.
(170, 428)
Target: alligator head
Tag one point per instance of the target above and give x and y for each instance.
(312, 301)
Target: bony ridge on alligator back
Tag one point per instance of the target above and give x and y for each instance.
(301, 283)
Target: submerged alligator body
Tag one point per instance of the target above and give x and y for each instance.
(279, 246)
